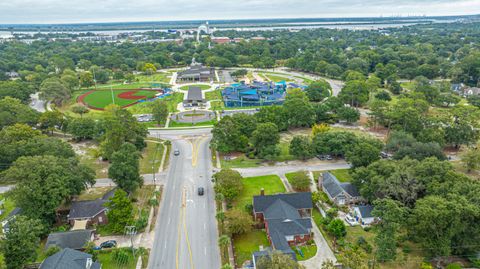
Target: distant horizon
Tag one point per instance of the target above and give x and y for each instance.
(391, 17)
(41, 12)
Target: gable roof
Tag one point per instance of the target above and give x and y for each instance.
(71, 239)
(194, 93)
(365, 211)
(69, 258)
(281, 210)
(86, 209)
(334, 188)
(298, 200)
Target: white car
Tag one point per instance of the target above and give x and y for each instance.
(351, 220)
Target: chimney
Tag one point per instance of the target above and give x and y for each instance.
(89, 263)
(262, 191)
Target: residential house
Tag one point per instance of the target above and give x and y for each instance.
(11, 216)
(363, 214)
(92, 212)
(286, 218)
(76, 239)
(70, 259)
(340, 193)
(468, 91)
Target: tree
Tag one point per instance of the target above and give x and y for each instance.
(80, 110)
(318, 90)
(265, 135)
(353, 259)
(390, 215)
(120, 211)
(355, 93)
(335, 143)
(54, 90)
(337, 229)
(238, 221)
(471, 159)
(363, 154)
(277, 260)
(21, 242)
(224, 241)
(120, 127)
(86, 79)
(125, 169)
(227, 136)
(149, 68)
(328, 264)
(300, 181)
(13, 111)
(229, 183)
(298, 110)
(273, 114)
(349, 114)
(83, 128)
(160, 111)
(44, 182)
(50, 120)
(320, 128)
(301, 147)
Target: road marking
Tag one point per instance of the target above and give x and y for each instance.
(169, 219)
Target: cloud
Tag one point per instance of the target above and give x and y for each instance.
(69, 11)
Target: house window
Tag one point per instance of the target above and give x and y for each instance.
(100, 219)
(289, 237)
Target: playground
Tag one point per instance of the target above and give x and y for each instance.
(99, 99)
(254, 94)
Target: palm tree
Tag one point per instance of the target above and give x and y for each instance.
(227, 266)
(224, 241)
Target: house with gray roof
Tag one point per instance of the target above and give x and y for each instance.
(363, 214)
(76, 239)
(93, 212)
(286, 218)
(11, 216)
(340, 193)
(70, 259)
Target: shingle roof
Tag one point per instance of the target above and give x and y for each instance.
(334, 187)
(281, 210)
(365, 211)
(68, 259)
(194, 94)
(86, 209)
(298, 200)
(257, 255)
(280, 228)
(71, 239)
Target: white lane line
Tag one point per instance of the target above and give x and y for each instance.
(165, 246)
(169, 219)
(205, 226)
(205, 251)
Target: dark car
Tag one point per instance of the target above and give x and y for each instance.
(201, 191)
(176, 152)
(109, 244)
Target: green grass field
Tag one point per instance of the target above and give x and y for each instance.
(151, 157)
(240, 162)
(102, 98)
(252, 186)
(276, 78)
(201, 86)
(248, 243)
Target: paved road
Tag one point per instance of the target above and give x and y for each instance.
(186, 231)
(36, 103)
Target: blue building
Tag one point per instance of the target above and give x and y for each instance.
(255, 94)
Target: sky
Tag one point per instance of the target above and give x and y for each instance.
(82, 11)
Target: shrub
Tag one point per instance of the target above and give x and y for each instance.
(300, 181)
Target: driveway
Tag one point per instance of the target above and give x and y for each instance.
(324, 252)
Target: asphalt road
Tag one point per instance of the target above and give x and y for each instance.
(186, 230)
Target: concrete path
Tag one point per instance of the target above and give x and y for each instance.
(324, 252)
(283, 169)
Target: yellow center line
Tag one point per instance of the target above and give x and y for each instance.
(178, 238)
(188, 242)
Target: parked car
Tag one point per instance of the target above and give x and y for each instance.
(176, 152)
(351, 220)
(109, 244)
(201, 191)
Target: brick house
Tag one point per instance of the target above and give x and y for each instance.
(286, 218)
(92, 212)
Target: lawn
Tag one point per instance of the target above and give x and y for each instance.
(244, 245)
(215, 98)
(7, 206)
(201, 86)
(94, 193)
(102, 98)
(252, 186)
(91, 159)
(174, 124)
(284, 152)
(343, 175)
(155, 78)
(151, 156)
(105, 257)
(240, 162)
(308, 252)
(276, 78)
